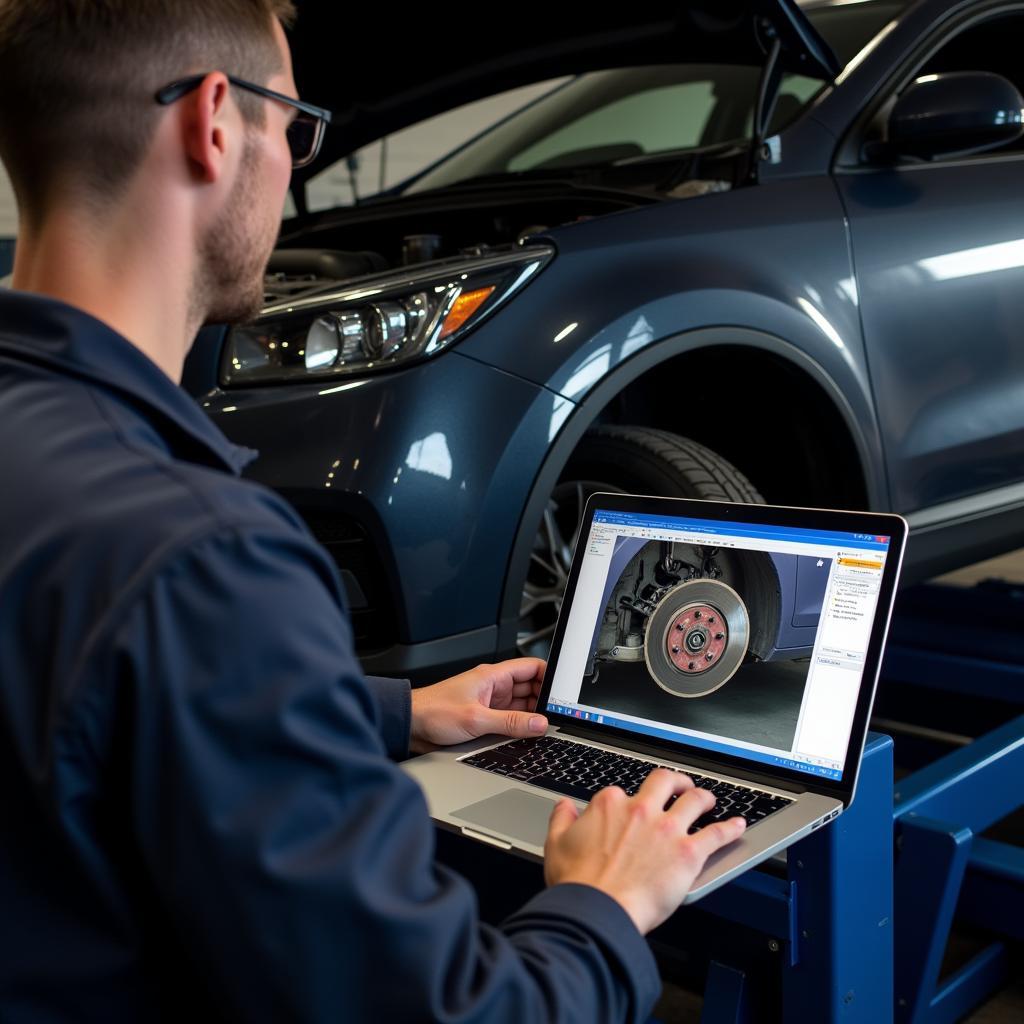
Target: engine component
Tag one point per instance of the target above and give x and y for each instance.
(420, 249)
(324, 264)
(527, 233)
(696, 637)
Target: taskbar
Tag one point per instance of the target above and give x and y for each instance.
(600, 718)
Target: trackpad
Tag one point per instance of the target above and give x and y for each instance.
(512, 813)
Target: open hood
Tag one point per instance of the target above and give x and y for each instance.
(380, 74)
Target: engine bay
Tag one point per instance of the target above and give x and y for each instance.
(386, 233)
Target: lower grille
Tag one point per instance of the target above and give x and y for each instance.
(371, 604)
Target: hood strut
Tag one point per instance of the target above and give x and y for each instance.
(767, 95)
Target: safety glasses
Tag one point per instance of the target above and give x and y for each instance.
(305, 132)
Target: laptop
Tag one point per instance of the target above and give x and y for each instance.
(740, 644)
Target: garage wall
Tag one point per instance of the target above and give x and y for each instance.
(403, 154)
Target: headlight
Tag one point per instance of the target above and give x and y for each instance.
(385, 322)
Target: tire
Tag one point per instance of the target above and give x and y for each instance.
(658, 462)
(636, 460)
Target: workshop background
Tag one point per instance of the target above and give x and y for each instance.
(385, 163)
(399, 156)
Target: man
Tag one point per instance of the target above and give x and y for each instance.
(199, 813)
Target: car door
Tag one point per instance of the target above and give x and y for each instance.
(938, 249)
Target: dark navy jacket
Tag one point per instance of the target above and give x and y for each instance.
(198, 813)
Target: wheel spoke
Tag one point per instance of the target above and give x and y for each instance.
(547, 566)
(538, 598)
(554, 537)
(552, 556)
(532, 638)
(530, 605)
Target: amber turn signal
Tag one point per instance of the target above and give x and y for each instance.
(462, 309)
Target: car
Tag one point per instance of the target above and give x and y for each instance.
(748, 250)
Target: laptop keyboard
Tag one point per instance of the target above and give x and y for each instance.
(579, 771)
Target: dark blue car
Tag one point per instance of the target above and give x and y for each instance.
(749, 250)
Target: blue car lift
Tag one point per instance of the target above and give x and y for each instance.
(945, 867)
(861, 920)
(854, 926)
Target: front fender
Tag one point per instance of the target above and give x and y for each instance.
(570, 421)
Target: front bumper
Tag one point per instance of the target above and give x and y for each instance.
(415, 482)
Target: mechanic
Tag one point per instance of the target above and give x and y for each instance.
(200, 812)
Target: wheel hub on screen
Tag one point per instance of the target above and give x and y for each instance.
(696, 638)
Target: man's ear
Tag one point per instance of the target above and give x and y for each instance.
(206, 116)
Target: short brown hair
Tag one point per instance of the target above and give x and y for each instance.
(78, 77)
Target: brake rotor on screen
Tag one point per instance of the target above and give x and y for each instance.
(696, 638)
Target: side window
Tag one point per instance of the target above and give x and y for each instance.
(795, 92)
(995, 46)
(8, 225)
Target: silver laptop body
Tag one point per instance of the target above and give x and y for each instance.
(740, 643)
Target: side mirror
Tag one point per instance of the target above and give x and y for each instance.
(955, 114)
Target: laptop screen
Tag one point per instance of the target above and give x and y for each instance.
(743, 639)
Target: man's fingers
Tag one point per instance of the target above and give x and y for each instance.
(510, 723)
(716, 835)
(523, 689)
(564, 814)
(662, 784)
(522, 669)
(692, 804)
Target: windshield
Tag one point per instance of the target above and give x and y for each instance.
(627, 114)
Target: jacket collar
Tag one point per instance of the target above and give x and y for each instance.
(40, 330)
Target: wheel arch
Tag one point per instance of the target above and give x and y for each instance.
(638, 378)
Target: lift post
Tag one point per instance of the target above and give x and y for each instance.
(929, 865)
(832, 916)
(943, 866)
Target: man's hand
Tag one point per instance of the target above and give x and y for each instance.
(633, 849)
(487, 699)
